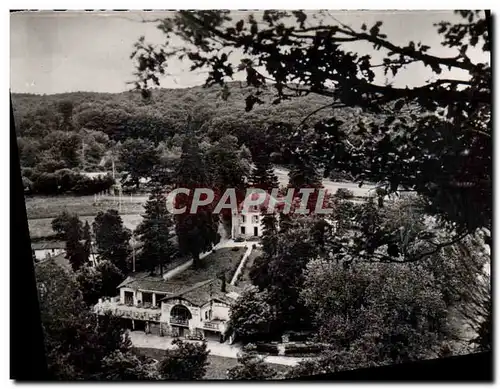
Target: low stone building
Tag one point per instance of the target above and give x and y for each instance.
(161, 307)
(47, 249)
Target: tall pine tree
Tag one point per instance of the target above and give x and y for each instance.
(263, 176)
(154, 232)
(269, 231)
(259, 272)
(75, 251)
(196, 233)
(303, 174)
(112, 239)
(87, 240)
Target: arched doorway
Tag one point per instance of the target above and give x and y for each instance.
(180, 315)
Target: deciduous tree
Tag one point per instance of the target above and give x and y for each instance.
(251, 366)
(187, 361)
(406, 134)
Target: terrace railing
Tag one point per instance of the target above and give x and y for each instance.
(211, 325)
(179, 321)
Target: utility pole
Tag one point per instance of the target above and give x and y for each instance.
(133, 252)
(83, 152)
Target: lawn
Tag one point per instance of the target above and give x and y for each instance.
(245, 276)
(41, 207)
(217, 368)
(225, 260)
(41, 210)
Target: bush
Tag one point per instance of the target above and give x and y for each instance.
(344, 193)
(68, 181)
(235, 249)
(340, 176)
(239, 239)
(269, 348)
(302, 348)
(254, 246)
(299, 336)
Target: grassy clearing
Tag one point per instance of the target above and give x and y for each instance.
(217, 368)
(41, 207)
(245, 276)
(225, 260)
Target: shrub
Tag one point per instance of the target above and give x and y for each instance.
(299, 336)
(239, 239)
(344, 193)
(269, 348)
(68, 181)
(235, 249)
(302, 348)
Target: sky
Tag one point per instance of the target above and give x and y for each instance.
(57, 52)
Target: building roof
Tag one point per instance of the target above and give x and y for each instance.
(59, 260)
(48, 245)
(206, 291)
(143, 281)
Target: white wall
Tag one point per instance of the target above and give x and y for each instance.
(122, 295)
(43, 254)
(249, 224)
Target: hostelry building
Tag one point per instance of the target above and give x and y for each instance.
(160, 307)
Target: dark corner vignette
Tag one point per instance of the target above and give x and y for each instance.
(27, 352)
(317, 211)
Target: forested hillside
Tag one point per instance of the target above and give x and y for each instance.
(84, 131)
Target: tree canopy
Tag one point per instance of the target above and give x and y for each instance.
(406, 135)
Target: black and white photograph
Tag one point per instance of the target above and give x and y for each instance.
(256, 195)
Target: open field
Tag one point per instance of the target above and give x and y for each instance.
(217, 368)
(41, 207)
(225, 259)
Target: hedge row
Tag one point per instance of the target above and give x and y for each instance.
(65, 181)
(267, 348)
(303, 348)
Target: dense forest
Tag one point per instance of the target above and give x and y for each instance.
(86, 131)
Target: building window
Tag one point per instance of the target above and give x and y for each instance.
(255, 219)
(129, 298)
(208, 315)
(147, 298)
(256, 231)
(159, 297)
(243, 218)
(243, 230)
